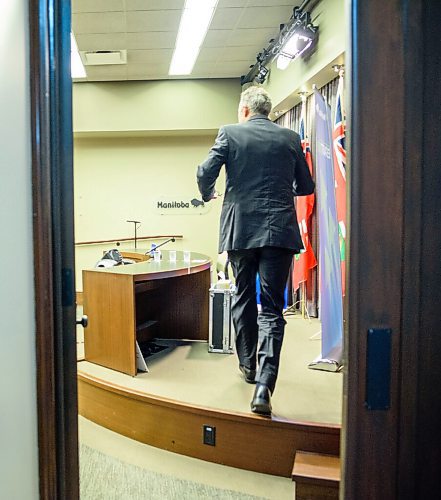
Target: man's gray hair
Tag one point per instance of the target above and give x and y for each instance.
(257, 100)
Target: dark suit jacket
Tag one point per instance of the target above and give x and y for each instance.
(265, 169)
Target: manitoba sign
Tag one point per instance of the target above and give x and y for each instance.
(181, 205)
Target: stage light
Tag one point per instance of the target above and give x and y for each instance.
(296, 45)
(195, 20)
(262, 74)
(295, 38)
(77, 69)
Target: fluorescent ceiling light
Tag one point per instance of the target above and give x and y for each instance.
(76, 64)
(195, 21)
(293, 48)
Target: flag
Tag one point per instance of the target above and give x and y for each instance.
(331, 299)
(305, 205)
(338, 146)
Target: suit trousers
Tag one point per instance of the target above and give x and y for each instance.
(260, 335)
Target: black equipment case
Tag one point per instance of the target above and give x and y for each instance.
(221, 329)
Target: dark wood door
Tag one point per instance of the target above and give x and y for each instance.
(393, 452)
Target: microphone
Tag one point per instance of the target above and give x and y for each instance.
(172, 239)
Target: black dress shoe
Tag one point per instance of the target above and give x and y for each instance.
(261, 402)
(249, 375)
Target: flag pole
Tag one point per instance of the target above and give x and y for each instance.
(303, 299)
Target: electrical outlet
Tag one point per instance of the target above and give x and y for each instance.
(209, 435)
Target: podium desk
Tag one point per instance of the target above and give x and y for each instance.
(142, 301)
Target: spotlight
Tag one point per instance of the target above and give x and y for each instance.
(297, 44)
(297, 39)
(294, 39)
(262, 74)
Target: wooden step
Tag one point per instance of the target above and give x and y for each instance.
(317, 476)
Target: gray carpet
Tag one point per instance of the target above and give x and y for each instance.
(105, 478)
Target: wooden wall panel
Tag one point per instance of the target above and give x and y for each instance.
(244, 441)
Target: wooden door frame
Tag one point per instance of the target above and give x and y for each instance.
(52, 181)
(395, 247)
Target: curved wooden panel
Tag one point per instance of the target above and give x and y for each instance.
(243, 440)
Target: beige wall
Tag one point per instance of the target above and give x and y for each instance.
(136, 142)
(18, 413)
(155, 105)
(121, 179)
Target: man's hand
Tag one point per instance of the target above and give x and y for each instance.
(215, 195)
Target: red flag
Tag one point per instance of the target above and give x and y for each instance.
(305, 205)
(338, 139)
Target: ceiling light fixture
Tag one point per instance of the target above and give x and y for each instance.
(77, 69)
(195, 21)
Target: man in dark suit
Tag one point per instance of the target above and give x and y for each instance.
(265, 169)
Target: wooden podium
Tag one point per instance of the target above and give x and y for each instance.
(142, 301)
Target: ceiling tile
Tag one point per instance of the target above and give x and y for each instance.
(240, 67)
(226, 19)
(216, 38)
(264, 17)
(147, 70)
(101, 41)
(203, 68)
(232, 3)
(154, 4)
(103, 22)
(258, 38)
(117, 71)
(230, 69)
(247, 53)
(97, 6)
(151, 40)
(148, 30)
(149, 56)
(272, 3)
(210, 54)
(152, 20)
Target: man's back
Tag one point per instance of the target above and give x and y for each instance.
(264, 164)
(261, 161)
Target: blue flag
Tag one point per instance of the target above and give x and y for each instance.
(331, 304)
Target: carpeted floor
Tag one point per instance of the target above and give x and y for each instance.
(105, 478)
